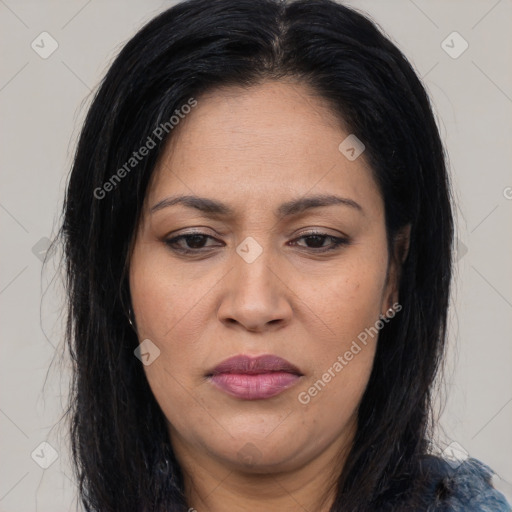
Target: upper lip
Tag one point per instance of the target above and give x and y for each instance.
(254, 365)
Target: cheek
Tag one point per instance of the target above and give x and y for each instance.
(162, 299)
(171, 309)
(342, 368)
(343, 305)
(168, 313)
(343, 339)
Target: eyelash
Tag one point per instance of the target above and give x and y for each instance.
(336, 242)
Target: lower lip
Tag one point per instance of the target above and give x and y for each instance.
(254, 387)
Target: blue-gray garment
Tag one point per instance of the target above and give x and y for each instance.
(464, 487)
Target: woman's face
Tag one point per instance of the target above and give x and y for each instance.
(254, 284)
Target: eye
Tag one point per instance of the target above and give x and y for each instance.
(194, 243)
(317, 239)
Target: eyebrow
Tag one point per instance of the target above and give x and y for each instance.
(294, 207)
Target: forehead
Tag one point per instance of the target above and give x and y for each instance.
(254, 144)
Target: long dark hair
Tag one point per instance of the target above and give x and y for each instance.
(121, 449)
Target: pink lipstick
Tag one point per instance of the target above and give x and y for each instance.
(254, 378)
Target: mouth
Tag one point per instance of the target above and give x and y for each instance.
(255, 378)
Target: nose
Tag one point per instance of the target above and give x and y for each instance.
(255, 296)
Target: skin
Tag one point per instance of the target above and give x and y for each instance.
(254, 149)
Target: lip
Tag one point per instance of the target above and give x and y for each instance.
(254, 378)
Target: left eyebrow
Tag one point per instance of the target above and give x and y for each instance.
(203, 204)
(290, 208)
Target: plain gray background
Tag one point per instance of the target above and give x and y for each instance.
(43, 102)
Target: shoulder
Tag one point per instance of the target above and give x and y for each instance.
(461, 487)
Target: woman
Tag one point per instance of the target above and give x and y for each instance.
(258, 232)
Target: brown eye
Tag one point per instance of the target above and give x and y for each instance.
(316, 241)
(194, 242)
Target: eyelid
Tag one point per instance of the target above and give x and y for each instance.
(319, 231)
(307, 232)
(174, 238)
(336, 241)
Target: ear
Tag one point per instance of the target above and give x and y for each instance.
(400, 250)
(402, 241)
